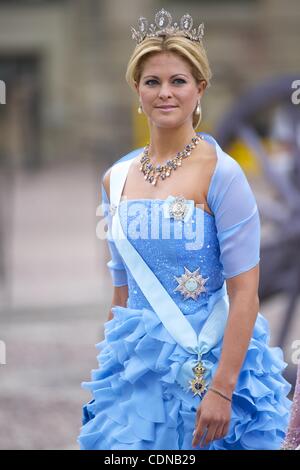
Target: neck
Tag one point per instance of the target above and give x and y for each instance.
(165, 143)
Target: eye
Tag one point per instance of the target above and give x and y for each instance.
(175, 80)
(148, 81)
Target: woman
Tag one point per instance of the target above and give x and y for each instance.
(292, 438)
(185, 362)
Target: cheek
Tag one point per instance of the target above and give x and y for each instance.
(187, 96)
(147, 94)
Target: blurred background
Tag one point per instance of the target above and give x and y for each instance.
(66, 115)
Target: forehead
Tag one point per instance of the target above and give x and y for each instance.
(165, 62)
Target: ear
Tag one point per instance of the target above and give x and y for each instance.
(201, 88)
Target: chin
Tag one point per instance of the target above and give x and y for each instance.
(167, 125)
(164, 120)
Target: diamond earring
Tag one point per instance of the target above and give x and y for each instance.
(140, 109)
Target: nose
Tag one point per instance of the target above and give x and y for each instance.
(164, 91)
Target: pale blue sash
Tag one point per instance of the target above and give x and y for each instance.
(163, 305)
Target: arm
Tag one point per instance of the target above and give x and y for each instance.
(120, 296)
(243, 309)
(238, 227)
(115, 265)
(214, 412)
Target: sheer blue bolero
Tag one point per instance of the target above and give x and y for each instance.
(235, 213)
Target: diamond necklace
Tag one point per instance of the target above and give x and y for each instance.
(152, 173)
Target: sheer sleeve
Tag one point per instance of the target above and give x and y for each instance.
(115, 265)
(236, 216)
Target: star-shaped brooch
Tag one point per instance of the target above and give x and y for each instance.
(190, 284)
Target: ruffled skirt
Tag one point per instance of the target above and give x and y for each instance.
(137, 403)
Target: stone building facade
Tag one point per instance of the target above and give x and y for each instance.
(64, 63)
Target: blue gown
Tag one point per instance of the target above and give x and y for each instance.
(137, 403)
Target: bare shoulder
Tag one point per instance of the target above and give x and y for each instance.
(206, 158)
(106, 182)
(208, 152)
(106, 177)
(201, 171)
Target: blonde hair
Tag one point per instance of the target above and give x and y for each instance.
(192, 52)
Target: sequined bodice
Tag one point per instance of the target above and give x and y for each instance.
(169, 246)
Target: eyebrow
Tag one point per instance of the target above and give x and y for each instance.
(155, 76)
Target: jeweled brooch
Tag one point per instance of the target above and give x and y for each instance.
(178, 208)
(198, 384)
(190, 284)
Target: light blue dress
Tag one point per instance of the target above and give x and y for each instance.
(138, 401)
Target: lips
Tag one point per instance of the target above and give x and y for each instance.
(166, 107)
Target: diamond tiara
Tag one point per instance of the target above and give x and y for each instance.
(163, 26)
